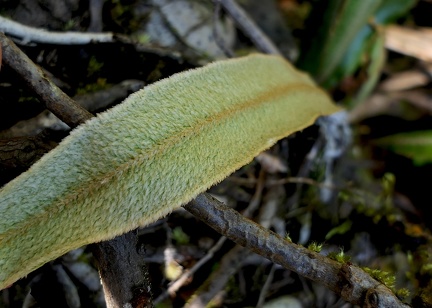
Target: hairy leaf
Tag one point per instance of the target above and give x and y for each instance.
(154, 152)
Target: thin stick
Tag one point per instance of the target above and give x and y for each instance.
(65, 108)
(219, 41)
(265, 288)
(249, 28)
(232, 261)
(348, 281)
(176, 285)
(29, 34)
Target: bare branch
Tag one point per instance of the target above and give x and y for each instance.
(218, 39)
(249, 28)
(29, 34)
(348, 281)
(48, 93)
(121, 267)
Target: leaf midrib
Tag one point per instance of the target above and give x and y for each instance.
(79, 193)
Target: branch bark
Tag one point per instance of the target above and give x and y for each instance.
(120, 265)
(18, 154)
(348, 281)
(47, 92)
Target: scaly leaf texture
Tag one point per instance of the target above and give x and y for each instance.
(156, 151)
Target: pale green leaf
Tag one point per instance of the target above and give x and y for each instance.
(341, 229)
(146, 157)
(415, 145)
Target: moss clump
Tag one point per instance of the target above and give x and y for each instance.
(100, 84)
(384, 277)
(340, 256)
(402, 293)
(314, 246)
(180, 236)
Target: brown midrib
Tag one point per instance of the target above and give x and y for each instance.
(262, 99)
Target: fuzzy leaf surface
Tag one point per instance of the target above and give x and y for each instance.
(156, 151)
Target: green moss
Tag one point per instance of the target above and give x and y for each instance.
(389, 280)
(70, 25)
(340, 256)
(314, 246)
(142, 38)
(180, 236)
(369, 203)
(426, 269)
(122, 14)
(94, 66)
(384, 277)
(402, 293)
(100, 84)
